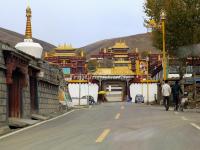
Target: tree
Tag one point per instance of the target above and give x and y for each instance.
(144, 54)
(92, 65)
(182, 24)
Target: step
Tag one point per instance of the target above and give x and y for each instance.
(39, 117)
(20, 123)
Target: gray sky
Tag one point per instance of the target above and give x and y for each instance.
(79, 22)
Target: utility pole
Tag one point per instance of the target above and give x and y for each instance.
(80, 90)
(88, 91)
(153, 24)
(163, 18)
(147, 60)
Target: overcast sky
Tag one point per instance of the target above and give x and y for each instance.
(79, 22)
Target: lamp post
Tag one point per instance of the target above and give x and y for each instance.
(88, 93)
(147, 61)
(79, 99)
(163, 18)
(89, 83)
(152, 24)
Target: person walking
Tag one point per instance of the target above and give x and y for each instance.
(176, 90)
(166, 92)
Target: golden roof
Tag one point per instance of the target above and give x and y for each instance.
(65, 47)
(54, 54)
(120, 44)
(114, 71)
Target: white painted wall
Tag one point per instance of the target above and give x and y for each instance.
(85, 89)
(177, 76)
(139, 88)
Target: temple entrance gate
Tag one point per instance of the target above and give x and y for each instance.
(116, 90)
(117, 87)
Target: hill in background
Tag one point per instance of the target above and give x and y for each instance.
(12, 38)
(142, 42)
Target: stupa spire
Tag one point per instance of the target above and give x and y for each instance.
(28, 46)
(28, 34)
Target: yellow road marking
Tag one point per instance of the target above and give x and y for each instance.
(196, 126)
(122, 107)
(183, 118)
(117, 116)
(176, 113)
(103, 136)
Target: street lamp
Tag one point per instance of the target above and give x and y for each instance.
(163, 18)
(89, 83)
(152, 24)
(147, 61)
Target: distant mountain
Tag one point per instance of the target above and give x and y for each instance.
(12, 38)
(142, 42)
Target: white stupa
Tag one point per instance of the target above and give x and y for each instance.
(28, 46)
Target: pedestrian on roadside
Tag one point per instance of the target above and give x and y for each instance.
(166, 92)
(176, 91)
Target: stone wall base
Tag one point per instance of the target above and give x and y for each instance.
(4, 130)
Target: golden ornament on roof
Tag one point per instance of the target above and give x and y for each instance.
(120, 44)
(65, 47)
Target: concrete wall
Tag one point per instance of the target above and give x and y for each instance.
(47, 90)
(3, 97)
(47, 98)
(3, 91)
(85, 89)
(26, 102)
(142, 89)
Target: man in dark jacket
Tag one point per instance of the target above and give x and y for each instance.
(176, 90)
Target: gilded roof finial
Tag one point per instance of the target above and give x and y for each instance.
(28, 3)
(82, 53)
(136, 50)
(46, 54)
(120, 44)
(28, 34)
(104, 50)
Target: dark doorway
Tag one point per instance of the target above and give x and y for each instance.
(33, 95)
(15, 95)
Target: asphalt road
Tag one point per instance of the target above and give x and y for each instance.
(112, 126)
